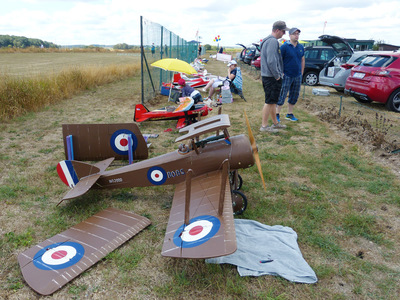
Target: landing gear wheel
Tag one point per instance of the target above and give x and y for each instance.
(239, 202)
(238, 182)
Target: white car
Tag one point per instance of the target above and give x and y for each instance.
(336, 71)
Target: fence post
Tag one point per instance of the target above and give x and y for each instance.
(141, 56)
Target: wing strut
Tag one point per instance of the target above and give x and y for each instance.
(224, 177)
(187, 195)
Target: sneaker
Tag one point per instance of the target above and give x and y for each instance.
(291, 117)
(278, 118)
(278, 126)
(268, 128)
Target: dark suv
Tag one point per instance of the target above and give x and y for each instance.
(316, 57)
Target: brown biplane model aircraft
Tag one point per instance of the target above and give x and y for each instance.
(201, 223)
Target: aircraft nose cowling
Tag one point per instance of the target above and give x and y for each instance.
(242, 153)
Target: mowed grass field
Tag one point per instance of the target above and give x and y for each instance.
(28, 64)
(325, 179)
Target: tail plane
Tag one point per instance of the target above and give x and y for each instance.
(140, 109)
(80, 176)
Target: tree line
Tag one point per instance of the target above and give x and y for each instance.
(24, 42)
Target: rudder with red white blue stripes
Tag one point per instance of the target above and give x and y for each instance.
(67, 174)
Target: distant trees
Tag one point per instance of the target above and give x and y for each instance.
(123, 46)
(23, 42)
(376, 44)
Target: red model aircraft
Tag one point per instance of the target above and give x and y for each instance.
(184, 117)
(195, 82)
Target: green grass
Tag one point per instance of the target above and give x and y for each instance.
(343, 205)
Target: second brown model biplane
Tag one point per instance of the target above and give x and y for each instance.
(201, 223)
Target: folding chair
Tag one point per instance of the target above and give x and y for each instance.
(237, 84)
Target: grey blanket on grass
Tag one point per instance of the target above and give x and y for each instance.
(267, 250)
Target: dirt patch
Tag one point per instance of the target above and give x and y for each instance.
(372, 134)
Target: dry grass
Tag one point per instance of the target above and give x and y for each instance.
(21, 95)
(329, 188)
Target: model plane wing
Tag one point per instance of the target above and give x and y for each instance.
(208, 233)
(49, 265)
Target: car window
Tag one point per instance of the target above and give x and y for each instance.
(327, 54)
(378, 61)
(360, 58)
(312, 53)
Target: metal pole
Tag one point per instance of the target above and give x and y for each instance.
(141, 56)
(161, 53)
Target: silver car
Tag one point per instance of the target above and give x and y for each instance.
(336, 71)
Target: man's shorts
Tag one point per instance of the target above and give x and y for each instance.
(272, 89)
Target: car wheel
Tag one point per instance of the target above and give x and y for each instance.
(394, 101)
(311, 78)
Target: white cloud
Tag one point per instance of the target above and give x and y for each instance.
(116, 21)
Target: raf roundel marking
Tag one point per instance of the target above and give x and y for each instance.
(119, 141)
(157, 175)
(199, 231)
(58, 256)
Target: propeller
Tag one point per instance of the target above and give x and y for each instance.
(255, 150)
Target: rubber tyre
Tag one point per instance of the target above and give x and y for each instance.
(311, 78)
(239, 202)
(393, 102)
(240, 181)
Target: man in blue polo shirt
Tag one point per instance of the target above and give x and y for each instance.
(293, 67)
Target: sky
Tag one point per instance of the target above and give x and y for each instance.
(109, 22)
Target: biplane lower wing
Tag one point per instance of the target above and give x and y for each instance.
(51, 264)
(208, 233)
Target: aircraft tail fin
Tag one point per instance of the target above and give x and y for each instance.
(177, 76)
(80, 176)
(140, 109)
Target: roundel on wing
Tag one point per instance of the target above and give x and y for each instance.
(200, 230)
(119, 141)
(58, 256)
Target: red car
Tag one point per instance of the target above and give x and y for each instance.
(376, 78)
(256, 63)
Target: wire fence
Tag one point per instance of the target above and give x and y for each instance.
(157, 42)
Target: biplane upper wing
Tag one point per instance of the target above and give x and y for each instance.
(211, 124)
(95, 142)
(49, 265)
(210, 230)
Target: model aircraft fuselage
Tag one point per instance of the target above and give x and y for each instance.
(171, 168)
